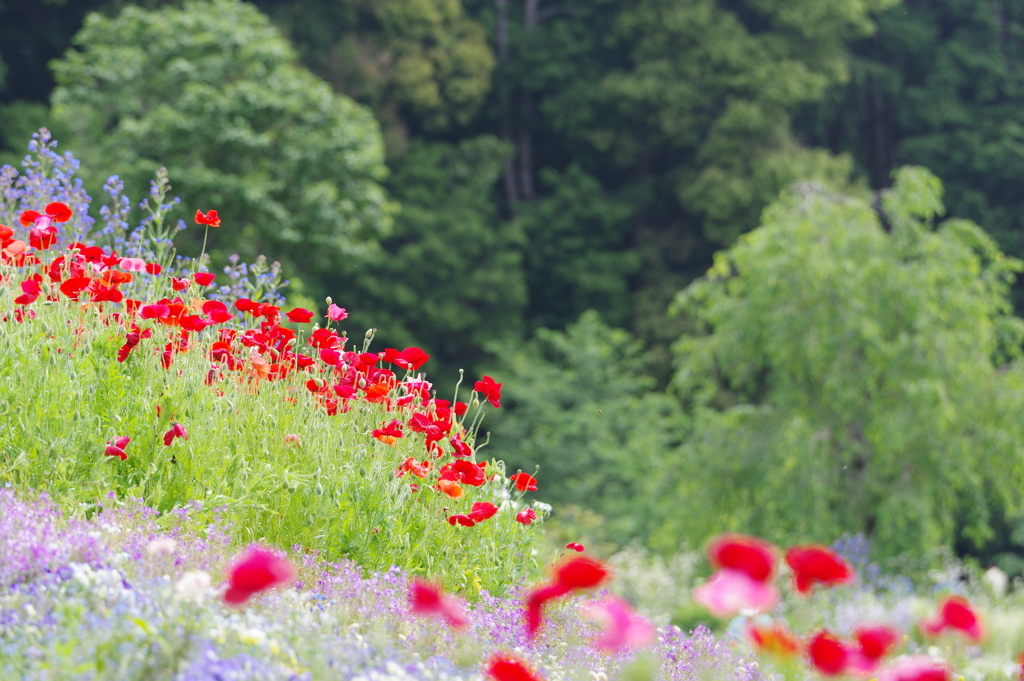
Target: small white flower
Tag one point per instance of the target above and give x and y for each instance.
(161, 545)
(193, 585)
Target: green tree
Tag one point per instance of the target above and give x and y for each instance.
(940, 85)
(852, 378)
(212, 92)
(579, 404)
(449, 277)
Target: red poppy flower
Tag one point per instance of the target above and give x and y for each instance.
(153, 268)
(505, 667)
(176, 431)
(815, 564)
(876, 642)
(535, 601)
(524, 482)
(460, 518)
(217, 311)
(459, 448)
(581, 572)
(482, 510)
(470, 473)
(116, 447)
(827, 654)
(410, 358)
(74, 286)
(257, 571)
(749, 555)
(573, 546)
(490, 390)
(211, 218)
(427, 599)
(955, 613)
(461, 408)
(179, 284)
(526, 516)
(204, 278)
(299, 315)
(30, 291)
(42, 238)
(58, 212)
(390, 433)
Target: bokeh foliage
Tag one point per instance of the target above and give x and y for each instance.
(212, 92)
(859, 372)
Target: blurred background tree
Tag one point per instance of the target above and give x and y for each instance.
(557, 171)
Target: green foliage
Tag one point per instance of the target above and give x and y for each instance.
(449, 277)
(578, 404)
(212, 92)
(852, 379)
(941, 86)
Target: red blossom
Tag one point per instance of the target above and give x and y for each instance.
(526, 516)
(176, 430)
(815, 564)
(750, 555)
(573, 546)
(257, 571)
(482, 510)
(876, 642)
(827, 654)
(211, 218)
(461, 519)
(581, 572)
(217, 311)
(179, 284)
(204, 278)
(116, 447)
(74, 286)
(153, 268)
(299, 315)
(505, 667)
(390, 433)
(427, 599)
(955, 613)
(490, 390)
(524, 482)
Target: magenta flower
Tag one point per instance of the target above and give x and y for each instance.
(176, 430)
(260, 569)
(335, 313)
(427, 599)
(622, 627)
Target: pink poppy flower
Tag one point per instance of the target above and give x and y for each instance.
(955, 613)
(116, 447)
(623, 628)
(176, 430)
(729, 591)
(335, 313)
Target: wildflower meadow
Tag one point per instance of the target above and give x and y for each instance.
(199, 481)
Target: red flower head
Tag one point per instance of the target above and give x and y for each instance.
(526, 516)
(217, 311)
(176, 431)
(74, 286)
(470, 473)
(410, 358)
(505, 667)
(204, 278)
(524, 482)
(211, 218)
(299, 315)
(816, 564)
(427, 599)
(535, 601)
(459, 448)
(490, 390)
(390, 433)
(573, 546)
(749, 555)
(257, 571)
(827, 654)
(955, 613)
(459, 518)
(581, 572)
(482, 510)
(116, 447)
(30, 291)
(876, 642)
(179, 284)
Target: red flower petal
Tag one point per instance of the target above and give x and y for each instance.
(581, 572)
(876, 642)
(750, 555)
(211, 218)
(482, 510)
(535, 601)
(815, 564)
(204, 278)
(827, 654)
(257, 571)
(504, 667)
(58, 212)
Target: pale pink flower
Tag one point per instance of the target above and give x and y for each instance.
(728, 592)
(335, 313)
(622, 627)
(132, 264)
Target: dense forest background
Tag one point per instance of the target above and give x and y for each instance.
(557, 171)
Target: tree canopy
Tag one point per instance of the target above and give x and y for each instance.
(858, 372)
(212, 92)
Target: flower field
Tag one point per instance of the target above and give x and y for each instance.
(198, 481)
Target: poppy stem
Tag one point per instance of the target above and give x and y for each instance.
(203, 252)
